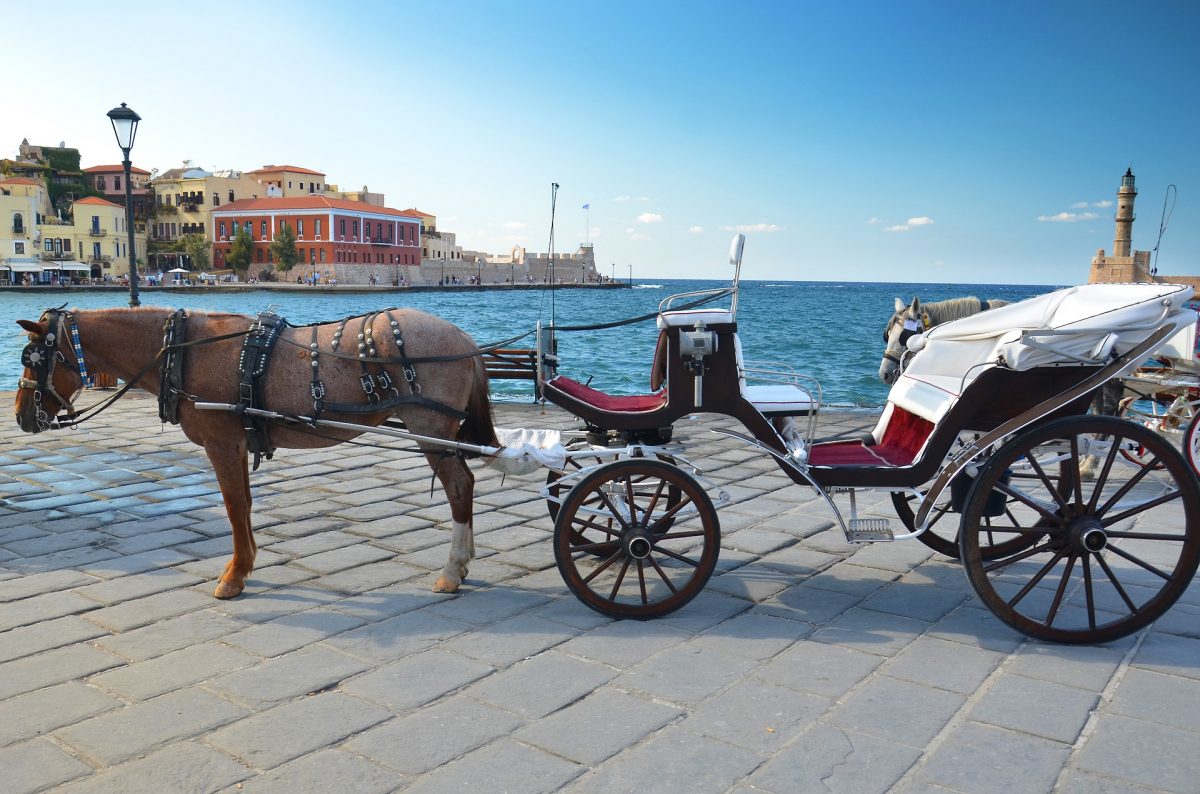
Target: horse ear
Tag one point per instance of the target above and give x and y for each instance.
(30, 326)
(916, 305)
(899, 305)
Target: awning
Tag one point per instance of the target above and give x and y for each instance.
(71, 266)
(22, 267)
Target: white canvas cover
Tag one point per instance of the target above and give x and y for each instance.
(1099, 319)
(524, 450)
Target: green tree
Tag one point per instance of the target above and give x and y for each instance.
(283, 248)
(197, 248)
(241, 251)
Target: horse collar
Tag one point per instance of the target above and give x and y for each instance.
(41, 357)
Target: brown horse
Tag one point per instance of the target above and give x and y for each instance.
(128, 343)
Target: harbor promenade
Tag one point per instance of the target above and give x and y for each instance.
(806, 665)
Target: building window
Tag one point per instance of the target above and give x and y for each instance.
(258, 255)
(19, 248)
(354, 227)
(379, 231)
(289, 184)
(216, 199)
(18, 223)
(116, 183)
(321, 253)
(231, 195)
(317, 224)
(221, 226)
(100, 183)
(262, 225)
(302, 186)
(342, 227)
(67, 244)
(300, 227)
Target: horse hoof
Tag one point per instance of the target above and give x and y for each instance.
(226, 590)
(444, 585)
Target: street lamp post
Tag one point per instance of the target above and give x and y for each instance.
(125, 124)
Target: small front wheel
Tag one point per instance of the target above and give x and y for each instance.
(1106, 554)
(636, 539)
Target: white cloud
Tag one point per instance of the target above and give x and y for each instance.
(1068, 217)
(634, 234)
(632, 198)
(900, 227)
(514, 225)
(873, 221)
(649, 217)
(921, 221)
(1105, 203)
(696, 229)
(762, 228)
(1079, 205)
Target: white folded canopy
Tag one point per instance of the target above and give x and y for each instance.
(1091, 322)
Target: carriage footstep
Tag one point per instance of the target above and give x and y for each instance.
(869, 530)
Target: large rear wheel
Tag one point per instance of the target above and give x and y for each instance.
(636, 538)
(1105, 556)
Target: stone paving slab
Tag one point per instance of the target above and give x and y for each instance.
(807, 664)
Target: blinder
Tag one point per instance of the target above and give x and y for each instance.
(40, 357)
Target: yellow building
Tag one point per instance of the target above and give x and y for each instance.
(184, 199)
(23, 205)
(289, 181)
(101, 239)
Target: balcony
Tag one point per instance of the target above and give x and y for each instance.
(19, 230)
(189, 207)
(97, 233)
(99, 260)
(57, 256)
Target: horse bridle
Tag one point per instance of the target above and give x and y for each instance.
(41, 356)
(912, 327)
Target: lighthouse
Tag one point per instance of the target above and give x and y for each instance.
(1123, 241)
(1124, 265)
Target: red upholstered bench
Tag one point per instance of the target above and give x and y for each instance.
(902, 440)
(609, 403)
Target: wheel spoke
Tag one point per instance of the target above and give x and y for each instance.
(1102, 478)
(684, 501)
(654, 500)
(1028, 501)
(1050, 486)
(588, 523)
(1124, 489)
(998, 564)
(1032, 583)
(676, 556)
(1146, 536)
(1139, 562)
(663, 575)
(1112, 577)
(1087, 591)
(1133, 511)
(620, 578)
(629, 500)
(642, 582)
(613, 508)
(1061, 589)
(1074, 480)
(602, 566)
(699, 533)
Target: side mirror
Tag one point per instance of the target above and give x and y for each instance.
(735, 249)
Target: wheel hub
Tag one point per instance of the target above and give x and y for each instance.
(1087, 535)
(637, 543)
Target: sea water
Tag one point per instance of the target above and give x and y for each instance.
(832, 331)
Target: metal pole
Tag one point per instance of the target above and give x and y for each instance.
(134, 300)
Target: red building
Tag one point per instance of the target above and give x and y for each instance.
(349, 239)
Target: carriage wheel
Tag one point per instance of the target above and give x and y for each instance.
(1109, 555)
(941, 534)
(1154, 421)
(1191, 443)
(612, 543)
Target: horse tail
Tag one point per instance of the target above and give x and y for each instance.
(478, 427)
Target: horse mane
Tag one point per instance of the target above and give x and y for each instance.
(951, 309)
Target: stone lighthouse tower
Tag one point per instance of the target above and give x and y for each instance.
(1123, 242)
(1125, 265)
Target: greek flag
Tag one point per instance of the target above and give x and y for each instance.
(587, 206)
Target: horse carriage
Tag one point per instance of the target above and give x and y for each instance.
(1071, 528)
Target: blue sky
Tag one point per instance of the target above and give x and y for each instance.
(905, 141)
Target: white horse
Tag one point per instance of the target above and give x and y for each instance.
(917, 318)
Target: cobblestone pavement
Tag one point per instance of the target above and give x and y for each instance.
(806, 665)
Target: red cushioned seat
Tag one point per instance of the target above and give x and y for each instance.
(631, 404)
(902, 440)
